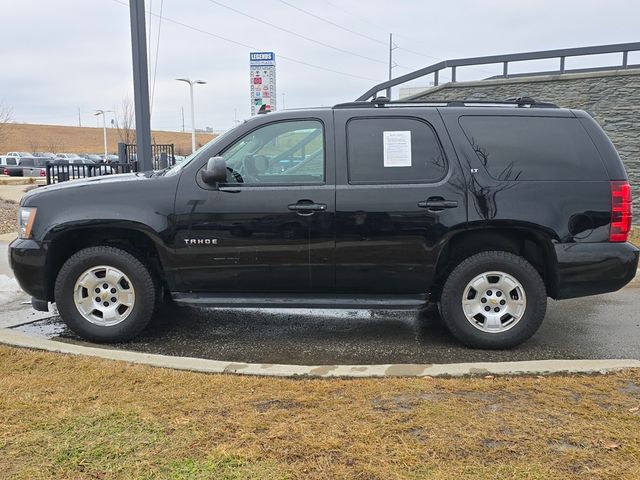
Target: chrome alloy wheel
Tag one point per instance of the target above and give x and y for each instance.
(104, 296)
(494, 302)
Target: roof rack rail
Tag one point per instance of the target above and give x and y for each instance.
(382, 102)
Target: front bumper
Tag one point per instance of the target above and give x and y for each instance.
(594, 268)
(28, 262)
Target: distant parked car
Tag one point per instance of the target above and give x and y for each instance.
(11, 165)
(19, 154)
(49, 155)
(33, 166)
(69, 156)
(110, 158)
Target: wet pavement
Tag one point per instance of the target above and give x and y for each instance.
(605, 326)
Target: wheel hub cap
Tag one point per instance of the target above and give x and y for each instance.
(104, 295)
(494, 302)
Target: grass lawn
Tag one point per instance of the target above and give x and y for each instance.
(73, 417)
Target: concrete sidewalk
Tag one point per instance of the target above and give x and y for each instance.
(14, 192)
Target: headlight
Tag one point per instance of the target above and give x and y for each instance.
(26, 217)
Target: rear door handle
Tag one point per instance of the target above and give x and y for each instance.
(437, 204)
(307, 208)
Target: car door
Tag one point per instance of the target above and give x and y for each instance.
(399, 191)
(270, 228)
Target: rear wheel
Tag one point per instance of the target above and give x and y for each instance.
(105, 294)
(493, 300)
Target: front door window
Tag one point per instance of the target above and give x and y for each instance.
(284, 153)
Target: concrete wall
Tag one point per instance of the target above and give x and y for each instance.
(612, 97)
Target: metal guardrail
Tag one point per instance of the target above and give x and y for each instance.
(505, 60)
(61, 172)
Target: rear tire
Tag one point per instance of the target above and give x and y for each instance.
(105, 294)
(493, 300)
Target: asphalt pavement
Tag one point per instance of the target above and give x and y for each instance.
(601, 327)
(604, 326)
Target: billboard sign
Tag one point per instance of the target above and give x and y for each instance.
(262, 81)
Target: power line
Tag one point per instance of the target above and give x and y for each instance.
(342, 27)
(282, 29)
(322, 19)
(377, 26)
(251, 47)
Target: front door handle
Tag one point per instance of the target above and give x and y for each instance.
(437, 204)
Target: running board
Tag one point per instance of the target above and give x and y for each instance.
(368, 302)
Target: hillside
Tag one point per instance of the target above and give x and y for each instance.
(58, 138)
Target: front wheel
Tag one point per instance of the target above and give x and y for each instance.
(493, 300)
(105, 294)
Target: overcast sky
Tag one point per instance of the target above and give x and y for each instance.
(58, 56)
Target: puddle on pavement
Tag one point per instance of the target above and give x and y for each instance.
(49, 328)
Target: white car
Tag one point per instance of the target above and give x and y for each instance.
(19, 154)
(70, 156)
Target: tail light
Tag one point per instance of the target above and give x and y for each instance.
(620, 211)
(43, 172)
(5, 171)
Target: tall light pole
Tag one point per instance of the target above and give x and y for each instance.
(193, 115)
(104, 126)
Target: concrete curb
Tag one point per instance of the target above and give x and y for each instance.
(537, 367)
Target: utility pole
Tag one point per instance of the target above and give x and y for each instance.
(79, 119)
(182, 111)
(392, 47)
(140, 85)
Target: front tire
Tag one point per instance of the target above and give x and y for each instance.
(105, 294)
(493, 300)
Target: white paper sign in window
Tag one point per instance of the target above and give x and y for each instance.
(397, 148)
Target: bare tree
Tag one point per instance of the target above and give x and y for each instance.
(125, 121)
(6, 118)
(54, 146)
(34, 145)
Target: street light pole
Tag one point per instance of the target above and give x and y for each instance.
(104, 127)
(193, 114)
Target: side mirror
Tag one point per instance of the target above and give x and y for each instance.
(216, 171)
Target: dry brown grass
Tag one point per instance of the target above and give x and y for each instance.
(58, 138)
(8, 216)
(74, 417)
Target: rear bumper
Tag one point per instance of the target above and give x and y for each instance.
(594, 268)
(28, 259)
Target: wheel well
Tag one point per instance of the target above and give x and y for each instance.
(68, 243)
(532, 245)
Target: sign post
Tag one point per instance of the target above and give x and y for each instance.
(262, 80)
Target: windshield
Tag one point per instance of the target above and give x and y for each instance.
(177, 168)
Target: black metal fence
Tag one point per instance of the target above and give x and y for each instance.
(61, 172)
(163, 155)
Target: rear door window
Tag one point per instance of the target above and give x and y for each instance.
(393, 150)
(533, 148)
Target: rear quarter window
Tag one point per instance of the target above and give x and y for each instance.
(533, 148)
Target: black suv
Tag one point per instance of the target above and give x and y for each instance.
(485, 209)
